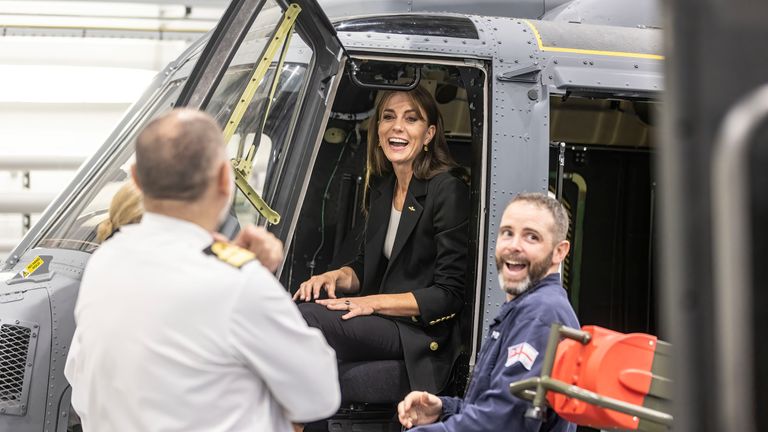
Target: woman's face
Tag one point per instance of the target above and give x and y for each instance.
(403, 130)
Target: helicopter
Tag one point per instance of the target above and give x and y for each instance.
(536, 96)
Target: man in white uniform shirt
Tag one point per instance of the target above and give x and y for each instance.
(177, 332)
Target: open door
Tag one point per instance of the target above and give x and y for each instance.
(265, 75)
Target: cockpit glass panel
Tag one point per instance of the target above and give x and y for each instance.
(77, 227)
(407, 24)
(263, 130)
(268, 102)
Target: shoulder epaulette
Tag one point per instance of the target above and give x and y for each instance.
(230, 254)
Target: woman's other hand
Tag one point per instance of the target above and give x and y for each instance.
(356, 306)
(343, 280)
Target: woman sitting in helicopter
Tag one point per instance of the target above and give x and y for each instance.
(400, 299)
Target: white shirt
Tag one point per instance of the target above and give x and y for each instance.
(169, 338)
(389, 240)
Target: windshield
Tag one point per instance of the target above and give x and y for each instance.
(76, 228)
(265, 129)
(268, 138)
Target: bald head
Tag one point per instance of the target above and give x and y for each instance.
(177, 155)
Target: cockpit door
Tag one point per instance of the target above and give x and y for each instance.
(266, 75)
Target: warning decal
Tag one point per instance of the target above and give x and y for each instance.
(31, 267)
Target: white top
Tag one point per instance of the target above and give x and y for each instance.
(389, 240)
(171, 339)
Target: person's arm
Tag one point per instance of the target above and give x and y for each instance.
(419, 408)
(450, 220)
(267, 248)
(341, 281)
(451, 406)
(269, 334)
(446, 295)
(382, 304)
(496, 408)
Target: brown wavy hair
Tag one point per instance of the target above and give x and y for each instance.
(427, 163)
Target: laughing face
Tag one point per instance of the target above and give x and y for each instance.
(525, 248)
(403, 130)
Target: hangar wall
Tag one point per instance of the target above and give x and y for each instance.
(68, 73)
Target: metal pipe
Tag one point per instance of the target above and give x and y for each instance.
(578, 335)
(43, 162)
(732, 234)
(560, 170)
(161, 28)
(539, 408)
(522, 390)
(25, 202)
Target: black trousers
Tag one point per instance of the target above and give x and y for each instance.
(362, 338)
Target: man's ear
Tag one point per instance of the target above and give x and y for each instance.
(224, 177)
(560, 251)
(135, 177)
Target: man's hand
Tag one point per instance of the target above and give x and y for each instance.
(267, 248)
(419, 408)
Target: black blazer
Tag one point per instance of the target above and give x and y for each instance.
(429, 259)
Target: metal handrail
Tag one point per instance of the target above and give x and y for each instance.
(525, 390)
(731, 251)
(535, 389)
(42, 163)
(25, 202)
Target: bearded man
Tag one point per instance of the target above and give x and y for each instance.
(530, 246)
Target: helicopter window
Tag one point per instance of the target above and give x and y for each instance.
(76, 228)
(256, 106)
(423, 25)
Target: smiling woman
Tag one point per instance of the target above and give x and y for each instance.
(406, 285)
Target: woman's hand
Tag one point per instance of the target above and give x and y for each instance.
(343, 280)
(357, 306)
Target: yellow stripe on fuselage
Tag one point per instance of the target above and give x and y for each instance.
(587, 51)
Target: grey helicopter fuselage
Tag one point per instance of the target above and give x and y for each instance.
(511, 67)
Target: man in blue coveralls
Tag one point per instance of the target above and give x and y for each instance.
(529, 249)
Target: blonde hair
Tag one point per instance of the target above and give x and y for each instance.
(126, 208)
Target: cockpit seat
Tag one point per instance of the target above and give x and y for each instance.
(373, 382)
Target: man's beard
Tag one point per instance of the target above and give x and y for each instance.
(536, 272)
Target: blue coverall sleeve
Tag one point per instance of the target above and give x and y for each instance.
(451, 406)
(495, 408)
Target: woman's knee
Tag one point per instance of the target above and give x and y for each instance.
(310, 313)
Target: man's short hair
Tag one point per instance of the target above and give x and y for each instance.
(175, 155)
(555, 208)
